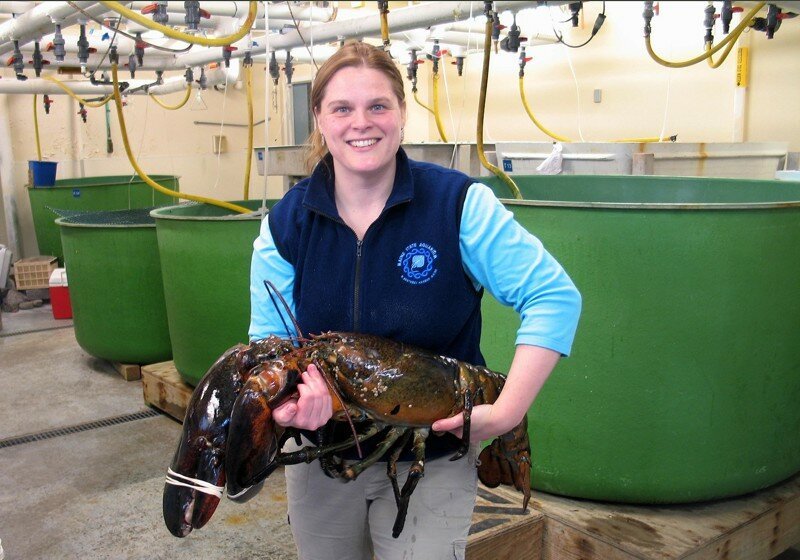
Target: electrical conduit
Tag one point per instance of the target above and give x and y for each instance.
(142, 174)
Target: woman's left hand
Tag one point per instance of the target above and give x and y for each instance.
(483, 425)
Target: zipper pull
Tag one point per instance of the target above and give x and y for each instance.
(359, 243)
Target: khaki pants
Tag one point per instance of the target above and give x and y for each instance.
(335, 520)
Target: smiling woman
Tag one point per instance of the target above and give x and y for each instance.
(375, 243)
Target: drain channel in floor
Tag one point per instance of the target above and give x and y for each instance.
(58, 432)
(28, 331)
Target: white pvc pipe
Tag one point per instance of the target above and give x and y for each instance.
(7, 180)
(41, 22)
(86, 89)
(239, 9)
(14, 7)
(402, 19)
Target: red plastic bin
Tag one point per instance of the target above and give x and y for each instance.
(59, 294)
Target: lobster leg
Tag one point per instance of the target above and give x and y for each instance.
(415, 473)
(465, 430)
(352, 471)
(310, 453)
(391, 465)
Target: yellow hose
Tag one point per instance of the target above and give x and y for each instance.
(436, 116)
(539, 125)
(36, 127)
(560, 138)
(142, 174)
(728, 50)
(174, 107)
(732, 37)
(79, 99)
(487, 50)
(421, 104)
(248, 80)
(185, 37)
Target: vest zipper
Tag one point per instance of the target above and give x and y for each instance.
(356, 291)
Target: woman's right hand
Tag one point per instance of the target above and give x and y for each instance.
(313, 406)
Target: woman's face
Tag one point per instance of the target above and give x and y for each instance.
(361, 118)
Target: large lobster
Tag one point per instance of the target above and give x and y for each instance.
(375, 384)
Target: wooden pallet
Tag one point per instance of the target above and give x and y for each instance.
(164, 389)
(129, 372)
(758, 526)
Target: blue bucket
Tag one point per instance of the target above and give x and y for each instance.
(42, 173)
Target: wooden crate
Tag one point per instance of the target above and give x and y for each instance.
(500, 529)
(758, 526)
(164, 389)
(129, 372)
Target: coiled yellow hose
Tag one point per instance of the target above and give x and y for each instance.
(178, 105)
(487, 50)
(185, 37)
(731, 38)
(79, 99)
(142, 174)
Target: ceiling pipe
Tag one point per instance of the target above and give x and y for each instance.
(238, 9)
(85, 88)
(402, 19)
(39, 20)
(14, 7)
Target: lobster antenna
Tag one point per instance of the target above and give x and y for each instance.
(333, 390)
(271, 289)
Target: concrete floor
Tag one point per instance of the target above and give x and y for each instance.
(97, 493)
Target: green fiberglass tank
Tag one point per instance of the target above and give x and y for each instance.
(205, 258)
(86, 194)
(115, 287)
(684, 379)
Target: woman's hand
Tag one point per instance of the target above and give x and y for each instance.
(313, 406)
(484, 424)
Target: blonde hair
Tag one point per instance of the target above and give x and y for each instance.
(352, 54)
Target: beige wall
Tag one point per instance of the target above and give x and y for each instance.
(699, 107)
(636, 94)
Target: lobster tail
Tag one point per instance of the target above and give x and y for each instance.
(507, 460)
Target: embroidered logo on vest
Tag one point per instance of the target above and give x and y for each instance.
(416, 263)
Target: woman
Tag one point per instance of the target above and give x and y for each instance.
(376, 243)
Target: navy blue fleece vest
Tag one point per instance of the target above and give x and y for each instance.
(404, 280)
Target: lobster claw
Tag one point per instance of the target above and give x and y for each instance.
(253, 437)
